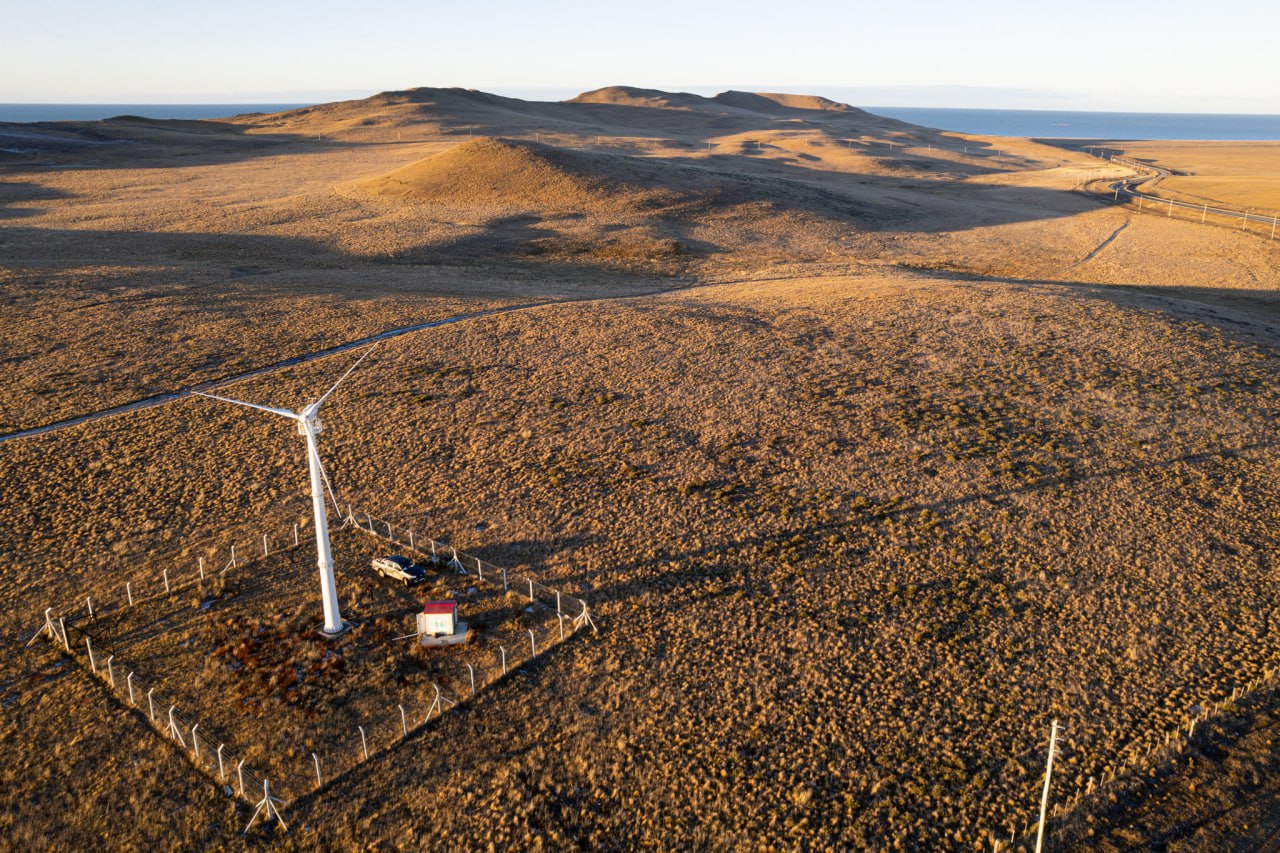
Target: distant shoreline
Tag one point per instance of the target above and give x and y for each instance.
(97, 112)
(1031, 124)
(1067, 124)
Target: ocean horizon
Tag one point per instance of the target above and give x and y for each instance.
(1054, 124)
(1070, 124)
(98, 112)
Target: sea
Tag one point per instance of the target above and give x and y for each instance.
(1056, 124)
(96, 112)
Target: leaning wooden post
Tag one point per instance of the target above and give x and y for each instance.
(1048, 775)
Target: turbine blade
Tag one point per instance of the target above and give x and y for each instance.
(284, 412)
(314, 447)
(317, 403)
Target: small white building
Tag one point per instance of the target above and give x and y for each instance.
(438, 618)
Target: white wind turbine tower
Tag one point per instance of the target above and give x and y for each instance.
(308, 426)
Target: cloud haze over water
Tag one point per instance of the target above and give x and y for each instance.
(981, 54)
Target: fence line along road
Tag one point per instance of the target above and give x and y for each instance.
(1128, 188)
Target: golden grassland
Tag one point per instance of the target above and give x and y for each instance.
(933, 449)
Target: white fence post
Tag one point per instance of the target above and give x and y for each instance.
(531, 598)
(364, 744)
(240, 775)
(88, 601)
(504, 580)
(222, 774)
(557, 602)
(111, 673)
(265, 551)
(234, 565)
(66, 644)
(412, 547)
(128, 590)
(89, 646)
(201, 568)
(533, 644)
(319, 781)
(504, 659)
(1048, 775)
(151, 705)
(473, 679)
(174, 732)
(404, 722)
(195, 742)
(390, 535)
(165, 574)
(129, 682)
(295, 534)
(561, 615)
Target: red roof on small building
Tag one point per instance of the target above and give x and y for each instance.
(450, 607)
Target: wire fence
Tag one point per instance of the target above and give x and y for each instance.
(298, 764)
(1146, 751)
(1149, 203)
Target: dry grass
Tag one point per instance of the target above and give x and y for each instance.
(854, 531)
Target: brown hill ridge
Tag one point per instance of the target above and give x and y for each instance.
(495, 172)
(631, 96)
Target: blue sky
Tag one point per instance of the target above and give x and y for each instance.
(1152, 56)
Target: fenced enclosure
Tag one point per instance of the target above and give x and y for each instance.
(283, 712)
(205, 653)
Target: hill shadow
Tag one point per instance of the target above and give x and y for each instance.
(132, 142)
(23, 192)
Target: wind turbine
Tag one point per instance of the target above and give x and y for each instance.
(308, 427)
